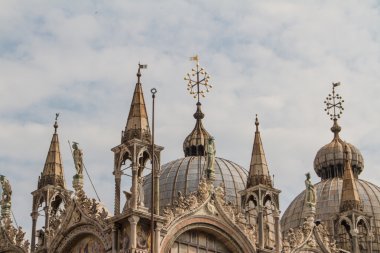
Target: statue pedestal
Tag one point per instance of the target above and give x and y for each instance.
(77, 182)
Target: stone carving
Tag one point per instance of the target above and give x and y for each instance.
(143, 238)
(6, 197)
(91, 208)
(310, 195)
(140, 192)
(210, 150)
(128, 197)
(78, 159)
(11, 236)
(305, 237)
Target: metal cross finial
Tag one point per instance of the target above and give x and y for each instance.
(194, 86)
(141, 66)
(56, 123)
(334, 104)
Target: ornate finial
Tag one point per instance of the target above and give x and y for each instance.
(56, 122)
(202, 78)
(334, 104)
(257, 124)
(334, 108)
(141, 66)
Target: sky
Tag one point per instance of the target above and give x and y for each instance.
(276, 59)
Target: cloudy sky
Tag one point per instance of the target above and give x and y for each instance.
(274, 58)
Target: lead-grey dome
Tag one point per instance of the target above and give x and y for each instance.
(330, 159)
(329, 194)
(184, 174)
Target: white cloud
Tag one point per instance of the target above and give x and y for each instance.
(274, 58)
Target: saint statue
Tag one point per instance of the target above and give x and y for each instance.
(210, 150)
(6, 193)
(140, 191)
(310, 196)
(78, 159)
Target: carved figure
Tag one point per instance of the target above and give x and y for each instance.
(210, 150)
(6, 196)
(310, 196)
(128, 197)
(142, 238)
(219, 191)
(140, 191)
(78, 159)
(20, 236)
(41, 237)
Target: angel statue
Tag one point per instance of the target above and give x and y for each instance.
(210, 150)
(310, 196)
(78, 159)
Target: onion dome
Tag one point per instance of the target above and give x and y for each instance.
(184, 174)
(330, 159)
(329, 203)
(195, 142)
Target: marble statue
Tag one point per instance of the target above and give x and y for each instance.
(78, 159)
(310, 195)
(210, 150)
(6, 193)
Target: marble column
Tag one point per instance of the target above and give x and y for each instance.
(133, 220)
(277, 230)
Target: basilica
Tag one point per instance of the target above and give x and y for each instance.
(198, 203)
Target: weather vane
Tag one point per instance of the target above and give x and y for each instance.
(334, 104)
(197, 80)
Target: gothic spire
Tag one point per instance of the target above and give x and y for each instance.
(52, 173)
(350, 199)
(137, 124)
(258, 171)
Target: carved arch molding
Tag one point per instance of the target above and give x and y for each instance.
(233, 244)
(80, 233)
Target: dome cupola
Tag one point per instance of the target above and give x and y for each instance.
(195, 142)
(330, 159)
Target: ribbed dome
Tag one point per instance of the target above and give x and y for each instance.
(328, 203)
(184, 174)
(330, 159)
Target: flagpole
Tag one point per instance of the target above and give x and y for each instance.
(153, 91)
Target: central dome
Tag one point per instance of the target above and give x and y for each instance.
(183, 175)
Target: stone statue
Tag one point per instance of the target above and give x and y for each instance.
(6, 196)
(140, 191)
(210, 150)
(78, 159)
(310, 195)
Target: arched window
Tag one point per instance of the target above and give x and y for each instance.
(195, 241)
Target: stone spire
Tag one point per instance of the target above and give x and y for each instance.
(52, 173)
(195, 142)
(258, 171)
(137, 126)
(350, 199)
